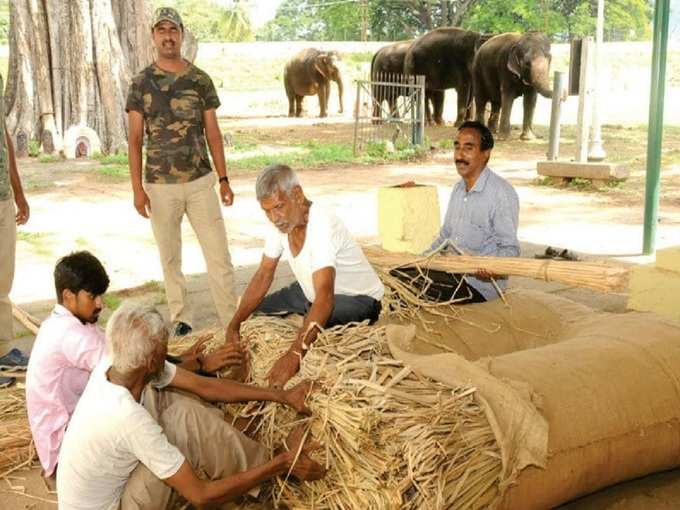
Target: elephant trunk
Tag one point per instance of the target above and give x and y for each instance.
(338, 80)
(540, 76)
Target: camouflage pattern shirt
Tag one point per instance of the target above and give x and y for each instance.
(173, 106)
(5, 189)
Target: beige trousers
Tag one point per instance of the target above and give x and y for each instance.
(8, 242)
(198, 200)
(213, 447)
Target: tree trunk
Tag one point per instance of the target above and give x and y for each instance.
(70, 65)
(461, 8)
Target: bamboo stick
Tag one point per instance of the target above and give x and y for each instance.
(603, 277)
(29, 322)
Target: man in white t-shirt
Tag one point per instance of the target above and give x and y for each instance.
(335, 283)
(130, 441)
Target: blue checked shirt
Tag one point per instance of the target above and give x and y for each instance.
(483, 221)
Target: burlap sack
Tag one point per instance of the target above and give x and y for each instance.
(533, 319)
(602, 406)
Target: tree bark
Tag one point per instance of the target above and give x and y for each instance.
(70, 65)
(462, 6)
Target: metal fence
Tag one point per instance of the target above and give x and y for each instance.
(389, 108)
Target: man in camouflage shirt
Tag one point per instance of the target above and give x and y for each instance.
(174, 102)
(10, 186)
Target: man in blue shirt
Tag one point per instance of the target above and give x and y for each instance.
(481, 218)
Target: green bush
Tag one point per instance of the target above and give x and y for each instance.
(34, 148)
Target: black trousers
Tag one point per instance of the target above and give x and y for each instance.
(291, 299)
(443, 287)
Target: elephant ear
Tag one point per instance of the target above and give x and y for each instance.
(321, 65)
(514, 62)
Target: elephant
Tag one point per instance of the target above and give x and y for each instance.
(505, 67)
(388, 60)
(445, 56)
(309, 73)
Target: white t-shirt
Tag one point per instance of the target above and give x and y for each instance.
(108, 435)
(328, 243)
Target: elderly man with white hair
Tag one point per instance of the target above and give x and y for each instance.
(132, 438)
(334, 284)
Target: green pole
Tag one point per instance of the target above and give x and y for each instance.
(655, 129)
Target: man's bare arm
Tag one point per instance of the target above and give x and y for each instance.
(253, 296)
(321, 309)
(135, 139)
(214, 138)
(226, 390)
(23, 211)
(289, 364)
(202, 492)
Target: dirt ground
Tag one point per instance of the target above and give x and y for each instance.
(78, 205)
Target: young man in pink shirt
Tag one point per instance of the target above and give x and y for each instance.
(68, 347)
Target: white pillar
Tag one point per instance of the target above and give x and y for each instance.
(596, 151)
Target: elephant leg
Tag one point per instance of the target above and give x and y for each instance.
(291, 100)
(394, 108)
(428, 113)
(463, 100)
(493, 117)
(298, 106)
(480, 107)
(507, 99)
(322, 101)
(529, 107)
(438, 104)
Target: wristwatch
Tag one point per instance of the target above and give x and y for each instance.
(224, 178)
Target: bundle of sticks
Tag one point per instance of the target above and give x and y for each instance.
(391, 439)
(591, 275)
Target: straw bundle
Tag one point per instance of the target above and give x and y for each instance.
(591, 275)
(392, 439)
(16, 442)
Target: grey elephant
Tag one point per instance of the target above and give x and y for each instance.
(387, 62)
(445, 57)
(508, 66)
(309, 73)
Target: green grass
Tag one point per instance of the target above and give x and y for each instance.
(48, 158)
(446, 143)
(244, 146)
(116, 172)
(580, 184)
(314, 155)
(111, 159)
(40, 242)
(112, 301)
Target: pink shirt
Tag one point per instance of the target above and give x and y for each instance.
(64, 353)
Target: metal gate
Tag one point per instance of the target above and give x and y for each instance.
(389, 108)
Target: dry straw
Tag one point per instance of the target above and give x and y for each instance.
(591, 275)
(391, 438)
(16, 442)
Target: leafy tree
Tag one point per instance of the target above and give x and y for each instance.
(210, 21)
(340, 20)
(563, 19)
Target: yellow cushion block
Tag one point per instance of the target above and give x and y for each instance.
(655, 290)
(669, 259)
(408, 218)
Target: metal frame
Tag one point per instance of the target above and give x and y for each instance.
(375, 121)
